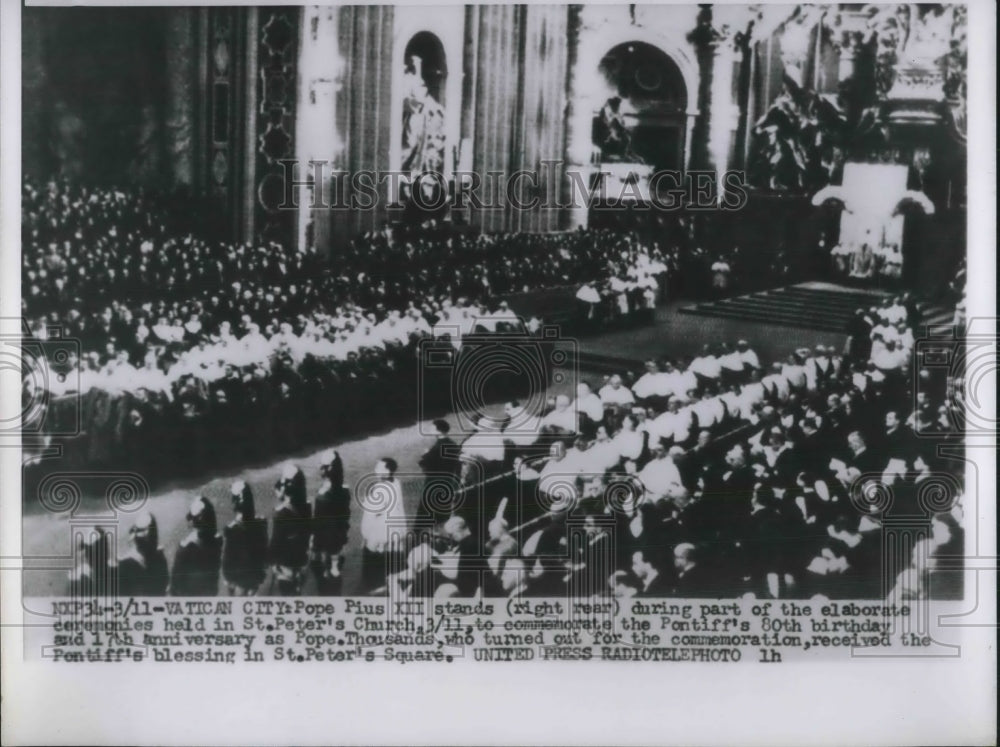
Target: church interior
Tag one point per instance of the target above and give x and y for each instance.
(217, 103)
(671, 178)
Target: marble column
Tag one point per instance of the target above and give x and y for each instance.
(719, 38)
(581, 105)
(182, 95)
(36, 158)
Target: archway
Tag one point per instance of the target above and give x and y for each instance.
(643, 119)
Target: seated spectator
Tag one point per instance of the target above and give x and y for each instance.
(747, 356)
(629, 442)
(653, 383)
(562, 419)
(706, 366)
(614, 394)
(652, 582)
(589, 405)
(661, 477)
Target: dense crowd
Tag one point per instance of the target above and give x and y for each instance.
(715, 476)
(710, 476)
(179, 334)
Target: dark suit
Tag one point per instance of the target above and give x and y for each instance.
(696, 582)
(441, 458)
(331, 519)
(143, 577)
(868, 462)
(244, 554)
(787, 466)
(196, 568)
(660, 586)
(898, 444)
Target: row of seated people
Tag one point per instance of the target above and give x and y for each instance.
(783, 511)
(176, 333)
(808, 437)
(202, 404)
(682, 403)
(792, 506)
(111, 268)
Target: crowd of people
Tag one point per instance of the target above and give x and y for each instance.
(715, 476)
(183, 340)
(689, 478)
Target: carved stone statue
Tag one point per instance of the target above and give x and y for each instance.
(424, 138)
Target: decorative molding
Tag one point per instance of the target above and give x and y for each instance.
(913, 44)
(277, 50)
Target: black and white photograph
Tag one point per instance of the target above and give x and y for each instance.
(612, 333)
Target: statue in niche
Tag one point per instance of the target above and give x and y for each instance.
(611, 132)
(423, 124)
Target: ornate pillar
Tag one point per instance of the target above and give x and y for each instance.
(797, 47)
(182, 75)
(720, 38)
(274, 59)
(225, 122)
(320, 144)
(580, 108)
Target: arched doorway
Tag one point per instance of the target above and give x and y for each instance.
(643, 119)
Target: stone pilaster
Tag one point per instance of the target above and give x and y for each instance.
(320, 145)
(720, 38)
(181, 95)
(580, 107)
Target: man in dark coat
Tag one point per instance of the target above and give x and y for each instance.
(244, 554)
(199, 557)
(291, 528)
(331, 520)
(143, 571)
(693, 579)
(859, 343)
(653, 582)
(464, 547)
(440, 464)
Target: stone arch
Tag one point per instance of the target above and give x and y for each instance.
(686, 64)
(644, 106)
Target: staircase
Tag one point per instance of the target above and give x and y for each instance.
(819, 306)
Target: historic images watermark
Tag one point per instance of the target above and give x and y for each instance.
(550, 187)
